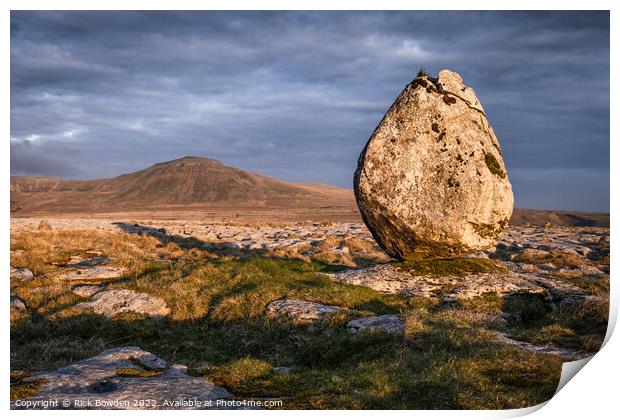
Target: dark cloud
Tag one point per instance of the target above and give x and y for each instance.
(30, 157)
(296, 95)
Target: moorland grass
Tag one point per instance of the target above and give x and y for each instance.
(580, 326)
(448, 357)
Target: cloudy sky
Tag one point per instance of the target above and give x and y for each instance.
(297, 95)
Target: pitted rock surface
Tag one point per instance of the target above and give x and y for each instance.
(111, 303)
(87, 290)
(95, 379)
(79, 262)
(431, 179)
(300, 310)
(98, 272)
(386, 278)
(568, 354)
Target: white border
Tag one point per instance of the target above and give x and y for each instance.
(592, 395)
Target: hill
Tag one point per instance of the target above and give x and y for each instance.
(188, 181)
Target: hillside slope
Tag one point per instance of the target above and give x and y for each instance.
(185, 181)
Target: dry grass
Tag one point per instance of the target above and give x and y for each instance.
(360, 245)
(580, 326)
(555, 257)
(26, 388)
(447, 359)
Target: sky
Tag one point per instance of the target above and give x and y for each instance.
(296, 95)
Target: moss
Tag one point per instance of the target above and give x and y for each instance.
(449, 267)
(494, 165)
(138, 373)
(447, 358)
(26, 389)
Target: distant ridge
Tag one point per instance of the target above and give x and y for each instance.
(186, 181)
(200, 185)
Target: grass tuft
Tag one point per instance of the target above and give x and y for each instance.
(447, 358)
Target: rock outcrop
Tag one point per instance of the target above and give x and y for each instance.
(300, 310)
(95, 383)
(98, 272)
(431, 180)
(17, 303)
(392, 324)
(387, 279)
(111, 303)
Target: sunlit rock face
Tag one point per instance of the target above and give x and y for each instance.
(431, 180)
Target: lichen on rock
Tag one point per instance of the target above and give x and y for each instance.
(431, 180)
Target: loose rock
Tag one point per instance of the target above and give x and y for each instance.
(87, 290)
(93, 273)
(95, 380)
(79, 262)
(17, 303)
(282, 370)
(431, 179)
(111, 303)
(300, 310)
(568, 354)
(21, 274)
(392, 324)
(44, 225)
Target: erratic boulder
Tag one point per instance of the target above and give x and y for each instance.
(431, 180)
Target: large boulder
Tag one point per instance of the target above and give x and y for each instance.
(431, 180)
